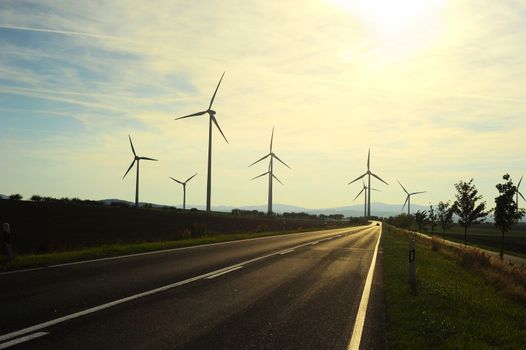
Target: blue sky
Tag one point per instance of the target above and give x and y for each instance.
(436, 89)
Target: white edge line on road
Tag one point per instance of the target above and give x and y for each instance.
(22, 340)
(283, 252)
(137, 296)
(168, 250)
(224, 272)
(356, 337)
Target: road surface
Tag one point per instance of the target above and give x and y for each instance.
(296, 291)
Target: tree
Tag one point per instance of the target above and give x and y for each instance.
(466, 207)
(432, 218)
(444, 216)
(36, 198)
(403, 220)
(420, 219)
(506, 212)
(15, 197)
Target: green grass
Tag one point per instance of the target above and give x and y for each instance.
(452, 308)
(109, 250)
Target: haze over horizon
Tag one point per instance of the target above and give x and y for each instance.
(435, 89)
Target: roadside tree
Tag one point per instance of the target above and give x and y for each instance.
(432, 218)
(466, 207)
(444, 216)
(421, 219)
(506, 212)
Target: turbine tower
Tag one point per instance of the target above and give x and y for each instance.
(136, 158)
(212, 119)
(408, 198)
(369, 174)
(364, 189)
(184, 188)
(270, 171)
(519, 194)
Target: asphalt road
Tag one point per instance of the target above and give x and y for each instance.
(299, 291)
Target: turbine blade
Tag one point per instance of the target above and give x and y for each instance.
(146, 158)
(131, 166)
(520, 194)
(176, 180)
(274, 176)
(518, 185)
(379, 178)
(265, 173)
(358, 178)
(403, 187)
(259, 160)
(215, 92)
(359, 193)
(406, 199)
(131, 144)
(192, 115)
(190, 178)
(271, 139)
(221, 131)
(417, 193)
(374, 189)
(368, 159)
(282, 162)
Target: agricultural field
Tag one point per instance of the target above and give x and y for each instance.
(54, 227)
(489, 237)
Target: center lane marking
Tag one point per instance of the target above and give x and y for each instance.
(94, 309)
(22, 340)
(222, 273)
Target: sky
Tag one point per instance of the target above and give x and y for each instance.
(436, 90)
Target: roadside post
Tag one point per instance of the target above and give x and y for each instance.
(412, 265)
(8, 250)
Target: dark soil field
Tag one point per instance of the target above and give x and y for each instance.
(47, 227)
(488, 236)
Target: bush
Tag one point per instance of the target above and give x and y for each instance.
(15, 197)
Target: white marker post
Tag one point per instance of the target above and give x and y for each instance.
(8, 250)
(412, 265)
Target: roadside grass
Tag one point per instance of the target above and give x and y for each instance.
(110, 250)
(452, 307)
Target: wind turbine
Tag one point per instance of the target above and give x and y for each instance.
(368, 173)
(270, 171)
(184, 187)
(519, 193)
(364, 188)
(136, 158)
(212, 119)
(408, 199)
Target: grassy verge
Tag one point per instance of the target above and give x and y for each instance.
(452, 308)
(109, 250)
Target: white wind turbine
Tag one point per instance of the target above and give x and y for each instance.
(369, 174)
(212, 119)
(270, 171)
(136, 158)
(184, 187)
(364, 190)
(408, 198)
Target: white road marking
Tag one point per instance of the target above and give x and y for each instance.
(22, 340)
(354, 344)
(139, 295)
(315, 242)
(286, 251)
(224, 272)
(169, 250)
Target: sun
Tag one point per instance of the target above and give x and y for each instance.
(393, 16)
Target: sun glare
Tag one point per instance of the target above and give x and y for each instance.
(397, 28)
(393, 15)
